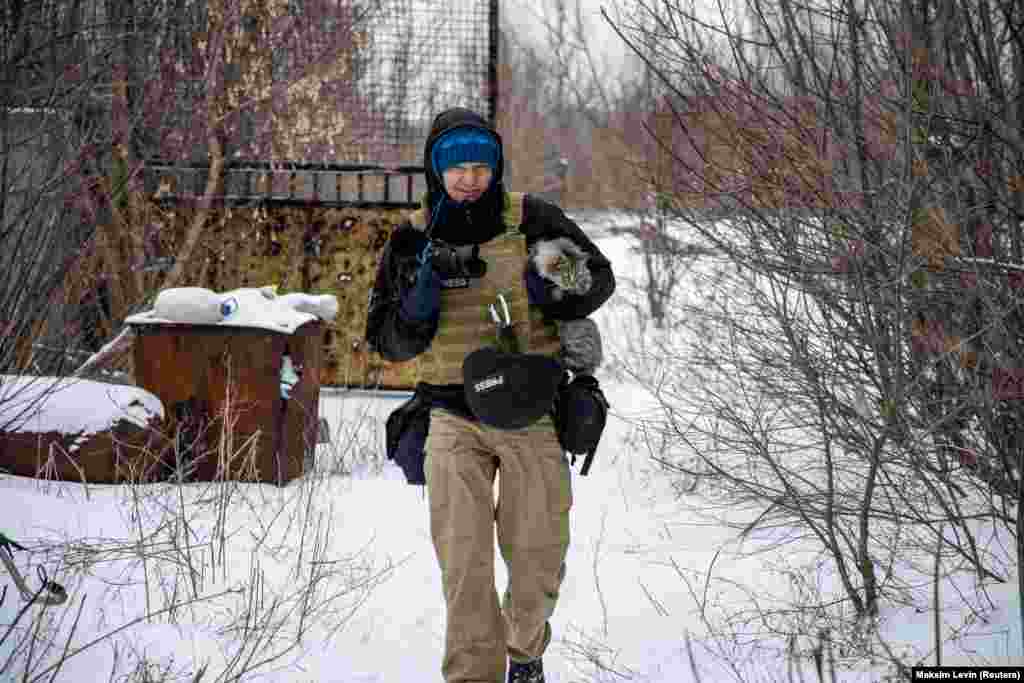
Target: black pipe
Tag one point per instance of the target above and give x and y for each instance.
(492, 67)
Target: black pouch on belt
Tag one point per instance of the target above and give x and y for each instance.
(581, 411)
(406, 433)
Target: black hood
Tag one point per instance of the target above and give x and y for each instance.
(479, 221)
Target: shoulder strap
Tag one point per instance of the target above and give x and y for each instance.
(513, 214)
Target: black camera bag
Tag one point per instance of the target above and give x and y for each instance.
(510, 390)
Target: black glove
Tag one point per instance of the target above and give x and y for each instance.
(407, 244)
(423, 300)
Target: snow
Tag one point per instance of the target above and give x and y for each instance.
(72, 406)
(644, 566)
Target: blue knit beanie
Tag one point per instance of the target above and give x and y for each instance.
(464, 145)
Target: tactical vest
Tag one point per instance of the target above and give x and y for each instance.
(466, 324)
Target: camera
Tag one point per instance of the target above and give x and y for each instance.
(458, 261)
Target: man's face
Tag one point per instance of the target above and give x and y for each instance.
(467, 182)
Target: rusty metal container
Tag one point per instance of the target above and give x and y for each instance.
(220, 387)
(79, 430)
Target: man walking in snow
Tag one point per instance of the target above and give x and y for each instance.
(477, 285)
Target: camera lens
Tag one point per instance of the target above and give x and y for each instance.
(452, 262)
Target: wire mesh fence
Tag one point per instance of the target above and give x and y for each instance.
(387, 66)
(408, 59)
(425, 56)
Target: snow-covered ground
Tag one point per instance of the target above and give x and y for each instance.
(638, 567)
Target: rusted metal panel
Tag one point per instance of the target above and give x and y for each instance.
(124, 453)
(307, 249)
(298, 248)
(220, 387)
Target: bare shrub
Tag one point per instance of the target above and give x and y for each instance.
(843, 380)
(256, 568)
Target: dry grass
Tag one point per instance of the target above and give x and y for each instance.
(254, 567)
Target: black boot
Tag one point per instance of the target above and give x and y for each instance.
(531, 672)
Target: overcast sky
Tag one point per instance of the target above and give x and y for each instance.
(528, 14)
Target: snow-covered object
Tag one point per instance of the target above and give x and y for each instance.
(324, 306)
(259, 307)
(72, 406)
(195, 305)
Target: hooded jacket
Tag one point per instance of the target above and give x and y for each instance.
(397, 338)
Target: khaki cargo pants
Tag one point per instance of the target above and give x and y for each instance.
(532, 516)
